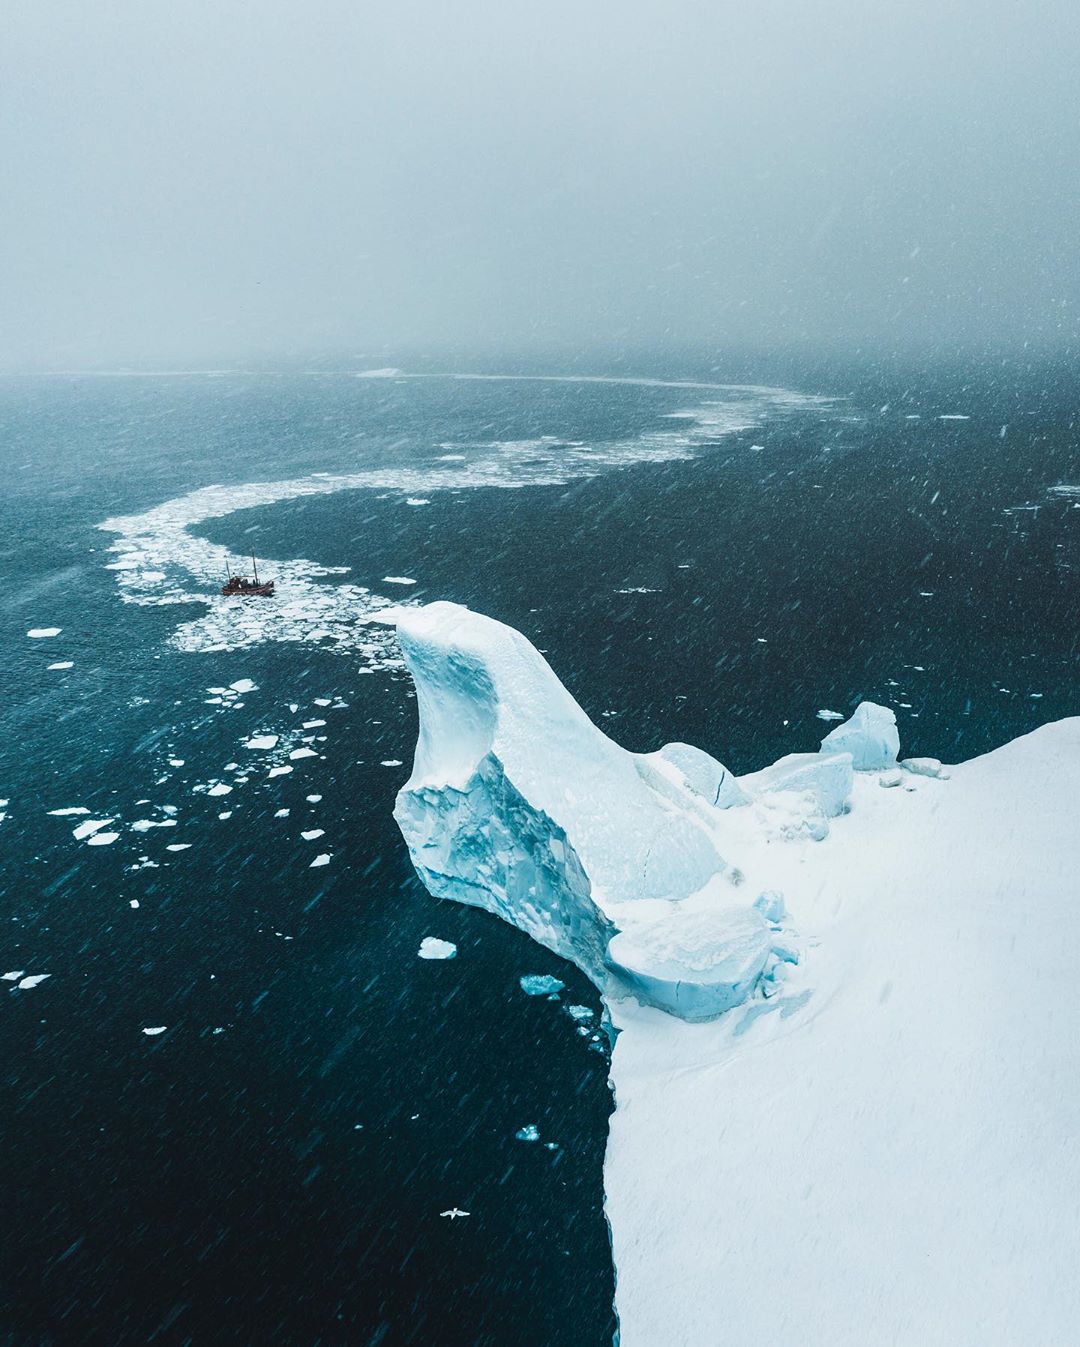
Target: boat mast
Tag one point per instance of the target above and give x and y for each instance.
(254, 568)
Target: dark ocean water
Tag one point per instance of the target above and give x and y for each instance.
(272, 1166)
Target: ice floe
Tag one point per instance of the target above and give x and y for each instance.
(541, 984)
(43, 633)
(89, 827)
(431, 947)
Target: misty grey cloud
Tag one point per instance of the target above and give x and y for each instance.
(208, 182)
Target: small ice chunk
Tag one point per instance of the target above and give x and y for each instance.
(312, 724)
(922, 766)
(893, 777)
(220, 789)
(825, 714)
(176, 762)
(102, 839)
(243, 685)
(580, 1013)
(179, 846)
(303, 753)
(827, 777)
(771, 905)
(870, 736)
(703, 775)
(13, 976)
(63, 664)
(313, 799)
(417, 500)
(133, 903)
(541, 984)
(41, 633)
(262, 741)
(390, 762)
(398, 579)
(431, 947)
(279, 771)
(322, 859)
(696, 965)
(282, 813)
(35, 980)
(322, 701)
(73, 809)
(312, 833)
(530, 1132)
(142, 825)
(154, 1030)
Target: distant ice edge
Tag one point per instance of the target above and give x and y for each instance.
(646, 870)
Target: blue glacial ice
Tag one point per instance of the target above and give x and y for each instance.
(870, 736)
(541, 984)
(640, 868)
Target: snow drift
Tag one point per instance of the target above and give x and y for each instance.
(845, 1078)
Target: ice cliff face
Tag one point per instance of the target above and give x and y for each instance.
(642, 869)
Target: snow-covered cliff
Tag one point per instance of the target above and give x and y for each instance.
(846, 1099)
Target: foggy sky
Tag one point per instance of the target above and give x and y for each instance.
(195, 182)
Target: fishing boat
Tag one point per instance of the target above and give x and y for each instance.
(237, 585)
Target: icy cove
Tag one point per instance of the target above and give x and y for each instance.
(844, 992)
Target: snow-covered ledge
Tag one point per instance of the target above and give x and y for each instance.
(846, 1081)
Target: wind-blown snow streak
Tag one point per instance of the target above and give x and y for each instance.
(158, 561)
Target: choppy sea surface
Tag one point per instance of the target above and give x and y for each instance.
(237, 1102)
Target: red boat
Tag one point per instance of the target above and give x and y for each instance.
(241, 586)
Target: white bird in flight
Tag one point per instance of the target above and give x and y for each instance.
(454, 1213)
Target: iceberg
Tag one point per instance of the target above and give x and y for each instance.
(845, 1017)
(519, 804)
